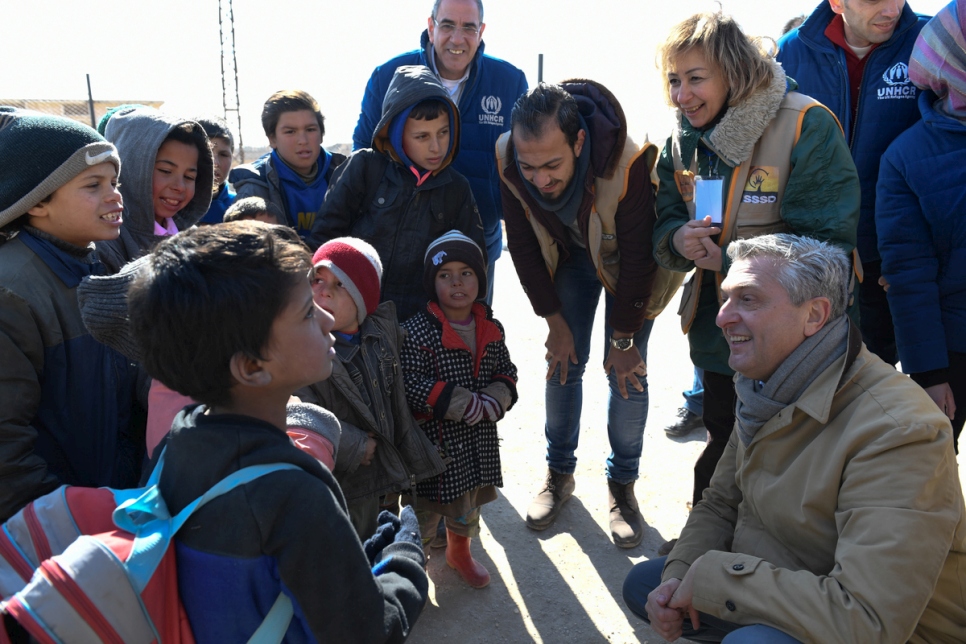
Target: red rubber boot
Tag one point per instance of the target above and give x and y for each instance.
(459, 558)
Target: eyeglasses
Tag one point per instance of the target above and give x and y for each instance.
(448, 29)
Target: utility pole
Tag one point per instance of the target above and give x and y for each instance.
(539, 68)
(229, 70)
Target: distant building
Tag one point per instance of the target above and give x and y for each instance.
(79, 110)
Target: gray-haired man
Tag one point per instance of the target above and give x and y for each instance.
(835, 513)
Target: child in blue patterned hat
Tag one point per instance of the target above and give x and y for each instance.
(65, 410)
(459, 383)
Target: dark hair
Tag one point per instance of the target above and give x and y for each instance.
(215, 126)
(190, 133)
(289, 100)
(208, 293)
(435, 14)
(251, 207)
(428, 110)
(533, 111)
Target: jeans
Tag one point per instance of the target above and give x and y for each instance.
(579, 290)
(646, 576)
(694, 399)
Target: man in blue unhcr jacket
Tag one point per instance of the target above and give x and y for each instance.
(853, 55)
(483, 87)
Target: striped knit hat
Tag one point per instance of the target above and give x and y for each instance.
(453, 246)
(358, 267)
(39, 153)
(938, 60)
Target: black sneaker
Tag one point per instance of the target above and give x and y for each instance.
(687, 422)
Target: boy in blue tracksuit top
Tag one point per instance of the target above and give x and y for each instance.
(483, 87)
(286, 532)
(845, 56)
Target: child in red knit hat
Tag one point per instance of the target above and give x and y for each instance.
(382, 451)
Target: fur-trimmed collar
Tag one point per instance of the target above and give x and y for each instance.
(734, 137)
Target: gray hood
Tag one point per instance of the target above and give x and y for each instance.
(138, 133)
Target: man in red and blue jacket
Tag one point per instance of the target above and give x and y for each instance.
(853, 57)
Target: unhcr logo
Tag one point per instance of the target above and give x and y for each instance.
(897, 83)
(491, 106)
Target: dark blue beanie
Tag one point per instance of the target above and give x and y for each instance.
(39, 153)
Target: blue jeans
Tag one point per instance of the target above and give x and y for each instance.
(694, 399)
(646, 576)
(579, 290)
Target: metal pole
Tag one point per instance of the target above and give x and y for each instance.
(539, 68)
(90, 102)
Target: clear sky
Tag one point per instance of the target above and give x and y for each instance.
(149, 50)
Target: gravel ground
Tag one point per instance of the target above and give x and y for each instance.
(564, 584)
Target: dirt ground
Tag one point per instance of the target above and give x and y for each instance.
(564, 584)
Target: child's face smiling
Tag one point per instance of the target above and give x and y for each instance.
(427, 142)
(87, 208)
(175, 172)
(298, 139)
(332, 296)
(456, 289)
(299, 351)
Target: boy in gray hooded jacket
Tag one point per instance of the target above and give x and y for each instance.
(401, 194)
(168, 177)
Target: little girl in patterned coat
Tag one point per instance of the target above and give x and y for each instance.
(459, 383)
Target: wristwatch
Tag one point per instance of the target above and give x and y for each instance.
(622, 344)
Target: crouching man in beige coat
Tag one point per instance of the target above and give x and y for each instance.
(836, 512)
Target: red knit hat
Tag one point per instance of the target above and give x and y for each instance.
(357, 265)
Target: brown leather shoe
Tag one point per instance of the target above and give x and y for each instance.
(547, 504)
(626, 525)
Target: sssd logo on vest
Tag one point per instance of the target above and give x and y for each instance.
(762, 185)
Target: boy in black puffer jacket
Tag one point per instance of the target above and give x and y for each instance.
(402, 193)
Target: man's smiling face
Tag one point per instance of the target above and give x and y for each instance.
(456, 33)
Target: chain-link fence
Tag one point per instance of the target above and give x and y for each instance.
(77, 109)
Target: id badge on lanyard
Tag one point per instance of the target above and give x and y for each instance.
(708, 193)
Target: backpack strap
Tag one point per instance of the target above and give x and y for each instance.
(149, 519)
(273, 628)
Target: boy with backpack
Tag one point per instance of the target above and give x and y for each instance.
(382, 450)
(286, 532)
(67, 400)
(401, 194)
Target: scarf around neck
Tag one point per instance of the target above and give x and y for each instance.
(758, 403)
(567, 205)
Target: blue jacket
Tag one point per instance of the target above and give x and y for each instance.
(220, 202)
(485, 104)
(65, 399)
(921, 217)
(260, 179)
(887, 105)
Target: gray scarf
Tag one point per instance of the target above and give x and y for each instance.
(567, 204)
(760, 402)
